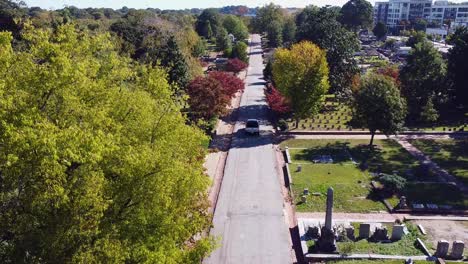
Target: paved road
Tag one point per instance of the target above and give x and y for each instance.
(249, 215)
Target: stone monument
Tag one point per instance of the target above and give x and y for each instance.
(397, 232)
(402, 204)
(457, 249)
(380, 234)
(364, 230)
(327, 240)
(442, 248)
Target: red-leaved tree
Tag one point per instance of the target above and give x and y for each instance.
(235, 65)
(207, 97)
(277, 102)
(392, 72)
(231, 84)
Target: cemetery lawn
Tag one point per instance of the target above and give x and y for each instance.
(450, 154)
(335, 116)
(387, 155)
(405, 246)
(351, 184)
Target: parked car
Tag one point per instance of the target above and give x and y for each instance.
(252, 127)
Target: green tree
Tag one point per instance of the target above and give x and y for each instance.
(170, 57)
(223, 42)
(356, 14)
(236, 26)
(380, 30)
(457, 66)
(320, 26)
(379, 106)
(265, 16)
(301, 75)
(423, 77)
(208, 20)
(275, 34)
(10, 12)
(240, 51)
(415, 38)
(94, 157)
(289, 31)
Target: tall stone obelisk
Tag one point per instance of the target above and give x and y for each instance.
(327, 240)
(329, 210)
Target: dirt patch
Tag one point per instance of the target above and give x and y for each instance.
(443, 229)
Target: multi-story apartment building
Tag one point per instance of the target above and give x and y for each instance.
(394, 12)
(443, 12)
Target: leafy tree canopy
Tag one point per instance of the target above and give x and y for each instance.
(356, 14)
(423, 78)
(380, 30)
(236, 26)
(301, 75)
(320, 26)
(208, 23)
(379, 106)
(457, 66)
(94, 157)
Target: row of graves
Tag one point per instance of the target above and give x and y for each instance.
(325, 236)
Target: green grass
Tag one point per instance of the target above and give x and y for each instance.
(352, 190)
(451, 155)
(351, 183)
(335, 115)
(405, 246)
(332, 116)
(387, 156)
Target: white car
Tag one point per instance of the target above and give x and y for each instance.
(252, 127)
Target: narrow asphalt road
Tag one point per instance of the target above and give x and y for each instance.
(249, 217)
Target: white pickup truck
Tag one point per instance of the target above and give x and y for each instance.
(252, 127)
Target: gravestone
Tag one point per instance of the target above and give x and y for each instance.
(350, 232)
(403, 204)
(327, 240)
(313, 232)
(380, 234)
(299, 168)
(397, 232)
(364, 230)
(457, 249)
(442, 249)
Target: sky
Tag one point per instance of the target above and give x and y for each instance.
(175, 4)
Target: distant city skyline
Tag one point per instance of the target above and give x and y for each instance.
(177, 4)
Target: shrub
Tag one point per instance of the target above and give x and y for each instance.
(207, 97)
(277, 102)
(393, 183)
(235, 65)
(230, 83)
(283, 125)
